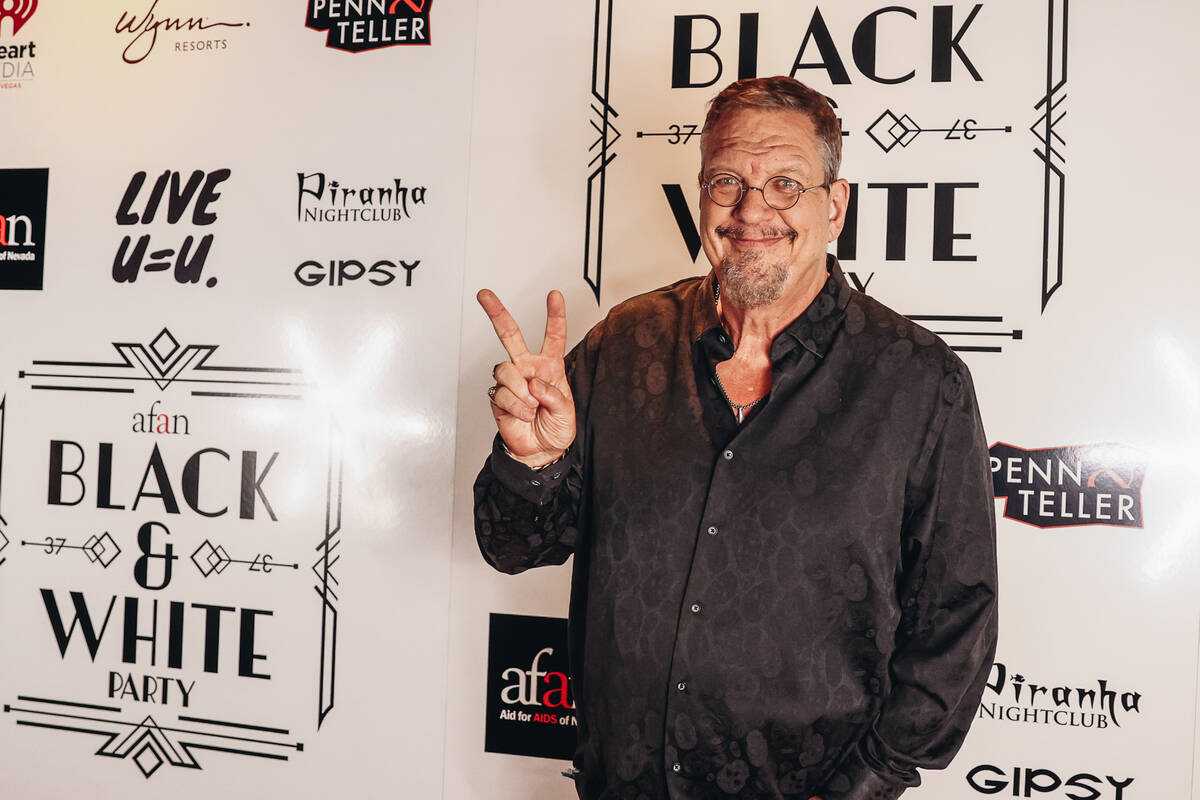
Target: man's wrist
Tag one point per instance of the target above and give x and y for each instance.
(535, 463)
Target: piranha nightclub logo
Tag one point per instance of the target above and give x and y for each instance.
(530, 711)
(22, 227)
(1055, 487)
(357, 25)
(322, 199)
(1012, 698)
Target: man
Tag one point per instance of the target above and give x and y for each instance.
(776, 491)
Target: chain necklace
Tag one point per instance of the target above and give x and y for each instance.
(739, 411)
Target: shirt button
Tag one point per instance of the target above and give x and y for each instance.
(676, 767)
(712, 530)
(695, 608)
(681, 686)
(728, 454)
(536, 483)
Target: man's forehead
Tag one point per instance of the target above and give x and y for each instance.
(763, 133)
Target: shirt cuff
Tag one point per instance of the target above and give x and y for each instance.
(535, 485)
(856, 780)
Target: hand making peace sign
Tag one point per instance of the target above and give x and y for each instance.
(531, 400)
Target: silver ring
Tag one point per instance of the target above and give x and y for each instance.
(492, 392)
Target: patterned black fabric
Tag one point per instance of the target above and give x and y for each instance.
(800, 605)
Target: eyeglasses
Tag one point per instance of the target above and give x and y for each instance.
(780, 192)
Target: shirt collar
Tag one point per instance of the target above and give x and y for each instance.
(814, 329)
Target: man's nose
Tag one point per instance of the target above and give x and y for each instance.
(753, 205)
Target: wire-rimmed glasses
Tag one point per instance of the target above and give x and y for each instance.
(780, 192)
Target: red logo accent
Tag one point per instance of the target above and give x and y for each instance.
(22, 10)
(417, 7)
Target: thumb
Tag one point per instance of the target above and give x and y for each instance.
(551, 398)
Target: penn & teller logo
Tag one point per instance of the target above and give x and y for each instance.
(358, 25)
(1054, 487)
(22, 227)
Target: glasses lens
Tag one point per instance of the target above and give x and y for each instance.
(725, 190)
(782, 192)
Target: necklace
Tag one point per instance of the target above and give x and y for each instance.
(739, 411)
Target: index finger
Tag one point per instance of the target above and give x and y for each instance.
(555, 343)
(506, 327)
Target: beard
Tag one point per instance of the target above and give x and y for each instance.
(749, 279)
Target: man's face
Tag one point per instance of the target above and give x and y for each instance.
(762, 254)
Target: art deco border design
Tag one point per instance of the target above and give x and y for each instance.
(163, 361)
(144, 741)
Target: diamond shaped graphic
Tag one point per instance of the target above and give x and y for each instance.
(3, 540)
(101, 549)
(210, 558)
(148, 759)
(895, 130)
(164, 345)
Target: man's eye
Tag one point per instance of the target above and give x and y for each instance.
(726, 180)
(786, 185)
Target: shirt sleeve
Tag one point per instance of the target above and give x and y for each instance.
(946, 640)
(527, 517)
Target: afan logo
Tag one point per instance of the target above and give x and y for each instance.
(140, 205)
(357, 25)
(1025, 781)
(319, 199)
(529, 707)
(141, 33)
(16, 60)
(1054, 487)
(22, 227)
(1012, 698)
(341, 271)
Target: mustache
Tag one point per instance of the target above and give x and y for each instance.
(739, 232)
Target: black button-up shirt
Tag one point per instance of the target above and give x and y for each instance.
(803, 604)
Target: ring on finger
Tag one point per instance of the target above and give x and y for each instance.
(492, 392)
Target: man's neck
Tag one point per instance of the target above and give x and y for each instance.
(754, 329)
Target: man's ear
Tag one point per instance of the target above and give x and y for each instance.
(839, 201)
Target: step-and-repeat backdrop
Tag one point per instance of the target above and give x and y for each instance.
(242, 380)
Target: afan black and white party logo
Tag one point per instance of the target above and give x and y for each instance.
(16, 56)
(1010, 696)
(530, 710)
(330, 198)
(163, 553)
(942, 133)
(1022, 781)
(22, 227)
(181, 208)
(358, 25)
(177, 24)
(1056, 487)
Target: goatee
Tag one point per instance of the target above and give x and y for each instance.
(750, 281)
